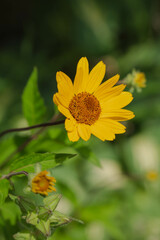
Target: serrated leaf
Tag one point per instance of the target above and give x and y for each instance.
(33, 105)
(47, 160)
(4, 187)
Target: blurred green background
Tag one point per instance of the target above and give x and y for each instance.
(116, 201)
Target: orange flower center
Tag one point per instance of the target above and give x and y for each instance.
(43, 184)
(85, 108)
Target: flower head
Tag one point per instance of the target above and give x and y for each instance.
(136, 80)
(91, 108)
(42, 183)
(152, 176)
(140, 80)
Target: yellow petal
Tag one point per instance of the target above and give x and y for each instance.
(63, 100)
(52, 188)
(81, 75)
(73, 136)
(118, 102)
(65, 87)
(95, 77)
(102, 131)
(64, 84)
(107, 85)
(107, 94)
(69, 125)
(118, 115)
(84, 131)
(55, 99)
(115, 126)
(64, 111)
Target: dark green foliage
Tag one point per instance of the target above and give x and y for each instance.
(47, 160)
(4, 188)
(33, 105)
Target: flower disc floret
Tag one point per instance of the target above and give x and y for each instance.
(85, 108)
(43, 184)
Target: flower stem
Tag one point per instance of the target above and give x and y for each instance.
(52, 122)
(9, 175)
(31, 127)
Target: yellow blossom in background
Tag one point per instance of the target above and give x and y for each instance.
(140, 79)
(91, 107)
(43, 184)
(135, 80)
(152, 176)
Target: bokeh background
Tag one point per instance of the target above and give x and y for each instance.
(116, 200)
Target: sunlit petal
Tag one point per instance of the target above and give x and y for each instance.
(84, 131)
(102, 131)
(95, 77)
(81, 76)
(73, 135)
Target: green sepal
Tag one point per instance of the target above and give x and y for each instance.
(23, 236)
(52, 201)
(32, 218)
(59, 219)
(44, 227)
(44, 213)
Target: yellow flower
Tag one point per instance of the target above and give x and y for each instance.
(152, 175)
(92, 108)
(42, 183)
(135, 81)
(140, 79)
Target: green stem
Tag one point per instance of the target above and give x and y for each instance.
(33, 137)
(31, 127)
(9, 175)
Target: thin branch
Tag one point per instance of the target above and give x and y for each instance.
(9, 175)
(31, 127)
(33, 137)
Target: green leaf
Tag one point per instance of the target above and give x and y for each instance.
(33, 105)
(47, 160)
(23, 236)
(4, 187)
(25, 204)
(86, 153)
(10, 212)
(59, 219)
(44, 227)
(7, 147)
(32, 218)
(52, 201)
